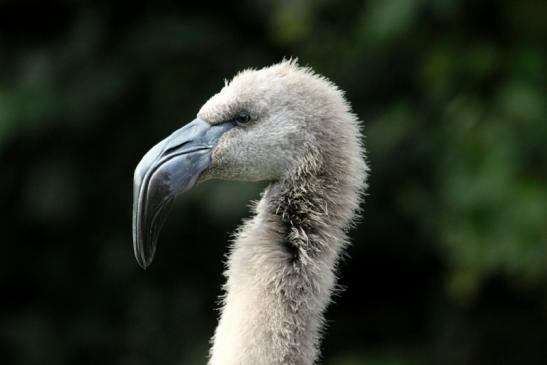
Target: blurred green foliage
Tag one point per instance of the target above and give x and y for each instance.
(449, 263)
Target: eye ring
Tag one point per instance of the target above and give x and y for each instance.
(242, 118)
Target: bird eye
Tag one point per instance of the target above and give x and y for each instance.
(242, 118)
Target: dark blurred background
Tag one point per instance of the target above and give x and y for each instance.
(449, 264)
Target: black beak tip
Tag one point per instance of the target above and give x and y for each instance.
(144, 259)
(143, 263)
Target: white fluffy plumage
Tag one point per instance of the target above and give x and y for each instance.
(281, 270)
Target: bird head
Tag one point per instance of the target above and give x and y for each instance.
(260, 126)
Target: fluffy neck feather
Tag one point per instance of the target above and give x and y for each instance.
(281, 268)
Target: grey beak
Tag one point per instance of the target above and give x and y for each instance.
(169, 168)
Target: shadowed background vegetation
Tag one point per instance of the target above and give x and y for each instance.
(449, 264)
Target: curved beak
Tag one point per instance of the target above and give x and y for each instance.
(169, 168)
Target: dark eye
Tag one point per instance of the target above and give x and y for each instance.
(242, 118)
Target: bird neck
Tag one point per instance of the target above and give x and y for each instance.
(281, 272)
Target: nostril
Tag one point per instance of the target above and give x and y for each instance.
(168, 151)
